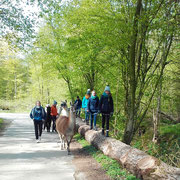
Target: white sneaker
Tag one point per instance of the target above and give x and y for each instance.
(37, 140)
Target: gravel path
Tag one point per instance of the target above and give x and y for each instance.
(21, 158)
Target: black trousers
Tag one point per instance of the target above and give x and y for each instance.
(48, 123)
(54, 123)
(38, 128)
(105, 120)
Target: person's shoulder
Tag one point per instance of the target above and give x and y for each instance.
(102, 96)
(34, 108)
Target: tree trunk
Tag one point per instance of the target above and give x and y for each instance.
(116, 115)
(156, 115)
(70, 90)
(42, 86)
(129, 130)
(48, 96)
(15, 85)
(172, 119)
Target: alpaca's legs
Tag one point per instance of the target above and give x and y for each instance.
(61, 141)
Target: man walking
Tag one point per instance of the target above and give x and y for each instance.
(78, 104)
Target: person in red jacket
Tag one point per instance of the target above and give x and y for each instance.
(54, 115)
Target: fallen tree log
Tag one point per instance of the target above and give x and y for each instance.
(172, 119)
(139, 163)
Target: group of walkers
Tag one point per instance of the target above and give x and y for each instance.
(91, 105)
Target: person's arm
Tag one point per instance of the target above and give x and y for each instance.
(80, 103)
(88, 105)
(75, 103)
(97, 103)
(83, 102)
(112, 104)
(52, 111)
(44, 113)
(31, 114)
(100, 103)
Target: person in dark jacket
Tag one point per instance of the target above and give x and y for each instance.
(93, 109)
(106, 107)
(78, 104)
(38, 114)
(48, 117)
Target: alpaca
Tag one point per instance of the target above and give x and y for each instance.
(66, 126)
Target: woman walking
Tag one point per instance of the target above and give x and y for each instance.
(93, 109)
(106, 107)
(38, 114)
(85, 104)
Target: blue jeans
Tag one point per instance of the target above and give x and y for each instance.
(86, 115)
(93, 118)
(78, 112)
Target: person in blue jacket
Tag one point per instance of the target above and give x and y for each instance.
(93, 109)
(84, 105)
(78, 105)
(106, 107)
(38, 114)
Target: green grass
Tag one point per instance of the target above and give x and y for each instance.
(111, 166)
(1, 123)
(170, 130)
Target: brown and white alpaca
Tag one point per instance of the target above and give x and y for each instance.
(66, 126)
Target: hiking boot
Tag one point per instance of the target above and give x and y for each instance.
(107, 133)
(87, 122)
(91, 127)
(95, 128)
(102, 132)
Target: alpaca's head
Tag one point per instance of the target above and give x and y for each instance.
(72, 107)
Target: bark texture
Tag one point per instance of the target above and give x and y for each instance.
(139, 163)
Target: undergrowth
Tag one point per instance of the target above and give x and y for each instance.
(112, 167)
(167, 147)
(1, 123)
